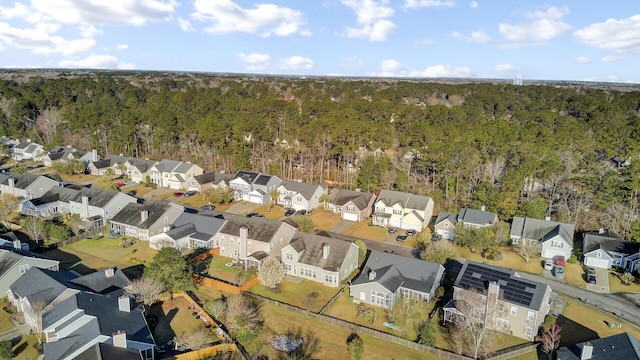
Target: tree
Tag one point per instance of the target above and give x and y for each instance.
(324, 198)
(355, 346)
(170, 267)
(478, 312)
(19, 169)
(6, 351)
(438, 252)
(551, 339)
(243, 317)
(474, 238)
(274, 194)
(8, 205)
(47, 122)
(310, 300)
(34, 227)
(362, 250)
(216, 308)
(427, 333)
(73, 222)
(35, 312)
(627, 278)
(305, 224)
(527, 248)
(195, 339)
(271, 273)
(403, 313)
(146, 290)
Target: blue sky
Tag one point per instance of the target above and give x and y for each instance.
(589, 40)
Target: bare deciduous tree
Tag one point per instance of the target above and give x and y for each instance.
(216, 308)
(33, 314)
(8, 205)
(34, 227)
(195, 339)
(551, 339)
(146, 290)
(243, 315)
(438, 252)
(271, 273)
(47, 122)
(480, 312)
(73, 222)
(528, 248)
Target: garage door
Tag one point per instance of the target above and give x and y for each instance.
(350, 216)
(599, 263)
(409, 226)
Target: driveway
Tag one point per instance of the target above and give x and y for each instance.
(342, 226)
(241, 207)
(602, 282)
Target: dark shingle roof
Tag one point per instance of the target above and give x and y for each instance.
(103, 351)
(131, 214)
(212, 177)
(142, 165)
(304, 189)
(536, 229)
(443, 215)
(42, 285)
(248, 176)
(205, 224)
(313, 250)
(97, 197)
(101, 164)
(620, 346)
(477, 217)
(409, 201)
(608, 241)
(359, 199)
(100, 282)
(21, 181)
(56, 194)
(260, 229)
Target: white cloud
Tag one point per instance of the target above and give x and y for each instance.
(296, 63)
(621, 35)
(416, 4)
(255, 61)
(610, 59)
(18, 10)
(542, 26)
(96, 62)
(582, 60)
(22, 67)
(264, 19)
(123, 46)
(372, 16)
(185, 25)
(393, 68)
(41, 40)
(477, 37)
(473, 5)
(505, 68)
(423, 42)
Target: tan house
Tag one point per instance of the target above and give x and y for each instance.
(139, 169)
(500, 299)
(209, 180)
(173, 174)
(351, 205)
(402, 210)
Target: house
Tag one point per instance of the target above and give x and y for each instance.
(445, 225)
(190, 231)
(15, 262)
(8, 143)
(139, 169)
(477, 219)
(251, 240)
(556, 238)
(300, 196)
(209, 180)
(386, 277)
(322, 259)
(114, 162)
(87, 325)
(253, 187)
(145, 220)
(27, 150)
(173, 174)
(402, 210)
(620, 346)
(505, 302)
(351, 205)
(62, 153)
(606, 249)
(27, 186)
(107, 281)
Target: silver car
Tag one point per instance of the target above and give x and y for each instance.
(558, 271)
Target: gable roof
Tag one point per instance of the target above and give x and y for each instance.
(212, 177)
(620, 346)
(304, 189)
(166, 165)
(536, 229)
(247, 176)
(102, 282)
(407, 200)
(201, 226)
(312, 247)
(260, 229)
(131, 213)
(143, 165)
(513, 289)
(608, 241)
(22, 181)
(444, 216)
(42, 285)
(342, 196)
(477, 217)
(9, 257)
(104, 351)
(393, 271)
(55, 194)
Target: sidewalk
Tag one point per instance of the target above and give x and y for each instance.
(18, 331)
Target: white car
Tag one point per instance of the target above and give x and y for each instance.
(548, 264)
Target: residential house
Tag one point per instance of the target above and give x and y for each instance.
(27, 186)
(93, 326)
(209, 180)
(139, 169)
(500, 299)
(114, 162)
(173, 174)
(351, 205)
(67, 153)
(386, 277)
(606, 249)
(27, 150)
(251, 240)
(300, 196)
(477, 219)
(445, 225)
(145, 220)
(555, 238)
(190, 231)
(7, 142)
(15, 262)
(402, 210)
(253, 187)
(619, 346)
(322, 259)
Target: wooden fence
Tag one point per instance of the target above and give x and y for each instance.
(514, 351)
(225, 285)
(204, 256)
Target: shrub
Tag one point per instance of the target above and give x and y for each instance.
(58, 232)
(572, 260)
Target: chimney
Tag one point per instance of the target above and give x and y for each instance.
(144, 215)
(109, 272)
(547, 218)
(120, 339)
(28, 140)
(121, 154)
(244, 235)
(124, 303)
(12, 182)
(85, 201)
(601, 231)
(587, 351)
(483, 208)
(17, 245)
(325, 251)
(372, 274)
(94, 155)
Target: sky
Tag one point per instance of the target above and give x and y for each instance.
(577, 40)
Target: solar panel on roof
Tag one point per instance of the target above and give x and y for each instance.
(513, 290)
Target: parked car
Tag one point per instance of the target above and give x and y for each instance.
(190, 193)
(392, 230)
(301, 212)
(289, 212)
(411, 232)
(254, 214)
(591, 275)
(207, 207)
(401, 238)
(558, 271)
(548, 265)
(560, 261)
(178, 194)
(120, 184)
(436, 238)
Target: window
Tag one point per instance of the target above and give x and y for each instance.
(350, 208)
(514, 311)
(531, 316)
(397, 212)
(599, 254)
(380, 209)
(249, 244)
(502, 323)
(528, 331)
(380, 299)
(221, 238)
(328, 278)
(231, 241)
(289, 256)
(24, 268)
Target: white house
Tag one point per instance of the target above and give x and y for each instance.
(300, 196)
(556, 238)
(402, 210)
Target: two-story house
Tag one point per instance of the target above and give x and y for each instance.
(556, 238)
(145, 220)
(619, 346)
(499, 299)
(67, 153)
(606, 249)
(114, 162)
(253, 187)
(322, 259)
(190, 231)
(173, 174)
(27, 150)
(139, 169)
(300, 196)
(445, 225)
(209, 180)
(26, 186)
(15, 262)
(387, 277)
(402, 210)
(351, 205)
(251, 240)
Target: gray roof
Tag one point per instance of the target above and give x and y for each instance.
(393, 271)
(620, 346)
(477, 217)
(56, 194)
(97, 197)
(10, 257)
(143, 165)
(408, 201)
(131, 214)
(212, 177)
(104, 351)
(513, 289)
(443, 215)
(8, 142)
(200, 226)
(608, 241)
(22, 145)
(42, 285)
(360, 199)
(262, 179)
(101, 164)
(248, 176)
(183, 167)
(21, 181)
(304, 189)
(312, 246)
(166, 165)
(260, 229)
(99, 282)
(536, 229)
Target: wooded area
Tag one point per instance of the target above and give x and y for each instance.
(518, 150)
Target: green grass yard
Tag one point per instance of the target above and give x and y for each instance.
(298, 293)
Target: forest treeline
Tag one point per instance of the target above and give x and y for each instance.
(518, 150)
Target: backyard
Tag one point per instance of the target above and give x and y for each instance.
(510, 259)
(219, 269)
(364, 229)
(305, 294)
(175, 319)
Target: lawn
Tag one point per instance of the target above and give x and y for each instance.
(596, 319)
(573, 274)
(363, 229)
(346, 310)
(616, 285)
(299, 294)
(325, 220)
(270, 211)
(509, 259)
(79, 179)
(139, 189)
(25, 348)
(174, 319)
(5, 322)
(219, 270)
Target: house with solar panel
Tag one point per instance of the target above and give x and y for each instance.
(509, 303)
(253, 187)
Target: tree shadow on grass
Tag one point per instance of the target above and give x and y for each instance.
(573, 333)
(163, 331)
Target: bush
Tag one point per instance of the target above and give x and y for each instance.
(58, 232)
(572, 260)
